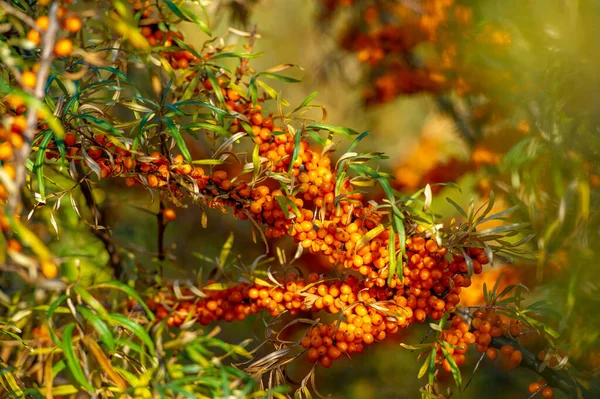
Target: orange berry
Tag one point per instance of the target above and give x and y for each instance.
(492, 353)
(63, 47)
(507, 350)
(43, 22)
(72, 24)
(334, 352)
(6, 151)
(360, 310)
(49, 269)
(534, 387)
(14, 245)
(170, 214)
(547, 393)
(516, 357)
(34, 37)
(326, 361)
(29, 79)
(70, 139)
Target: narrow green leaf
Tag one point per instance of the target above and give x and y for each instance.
(135, 328)
(72, 360)
(39, 163)
(128, 291)
(178, 139)
(281, 78)
(99, 326)
(335, 129)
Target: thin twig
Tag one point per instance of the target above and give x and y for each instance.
(554, 378)
(465, 129)
(160, 219)
(47, 55)
(114, 258)
(241, 71)
(19, 14)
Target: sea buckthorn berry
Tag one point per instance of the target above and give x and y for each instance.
(492, 353)
(72, 24)
(516, 356)
(547, 393)
(49, 269)
(29, 79)
(534, 387)
(63, 47)
(34, 37)
(507, 350)
(169, 214)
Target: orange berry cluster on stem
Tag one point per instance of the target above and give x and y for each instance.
(371, 309)
(70, 24)
(486, 325)
(541, 388)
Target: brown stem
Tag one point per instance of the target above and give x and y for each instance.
(47, 45)
(103, 233)
(160, 218)
(241, 71)
(19, 14)
(555, 378)
(463, 126)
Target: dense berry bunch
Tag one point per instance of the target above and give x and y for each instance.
(485, 325)
(371, 308)
(63, 47)
(387, 36)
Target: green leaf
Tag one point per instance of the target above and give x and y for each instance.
(72, 360)
(226, 249)
(306, 101)
(252, 90)
(284, 202)
(281, 78)
(335, 129)
(135, 328)
(99, 326)
(233, 54)
(368, 237)
(127, 290)
(454, 368)
(297, 139)
(90, 300)
(39, 163)
(207, 162)
(458, 207)
(187, 16)
(178, 139)
(208, 126)
(215, 86)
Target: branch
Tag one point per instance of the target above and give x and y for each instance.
(19, 14)
(555, 378)
(241, 71)
(160, 218)
(463, 126)
(103, 234)
(46, 57)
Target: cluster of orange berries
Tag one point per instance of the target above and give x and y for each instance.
(371, 308)
(63, 47)
(156, 37)
(486, 325)
(387, 34)
(541, 388)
